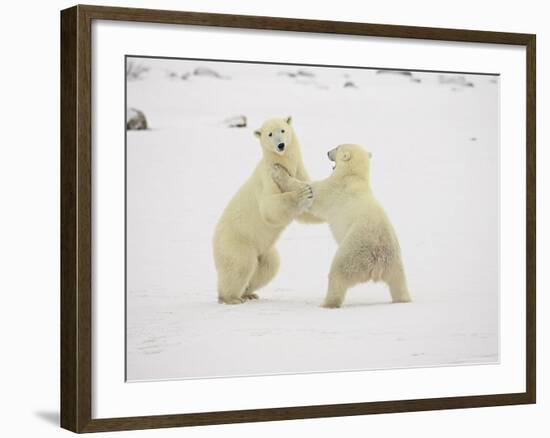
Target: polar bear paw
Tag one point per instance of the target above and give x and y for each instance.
(331, 304)
(284, 180)
(305, 198)
(234, 300)
(251, 296)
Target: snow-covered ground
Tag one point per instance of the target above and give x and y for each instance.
(435, 170)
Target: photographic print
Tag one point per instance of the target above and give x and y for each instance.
(285, 218)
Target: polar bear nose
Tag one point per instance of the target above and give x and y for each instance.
(281, 146)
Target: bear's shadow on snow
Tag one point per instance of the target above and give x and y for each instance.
(273, 302)
(369, 304)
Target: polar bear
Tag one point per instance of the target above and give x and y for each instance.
(244, 240)
(368, 248)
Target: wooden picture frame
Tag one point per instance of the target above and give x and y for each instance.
(76, 218)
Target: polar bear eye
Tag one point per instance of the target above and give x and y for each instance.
(283, 131)
(271, 134)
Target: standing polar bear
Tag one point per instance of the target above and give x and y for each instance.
(368, 248)
(244, 240)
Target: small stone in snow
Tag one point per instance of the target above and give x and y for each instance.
(236, 122)
(135, 120)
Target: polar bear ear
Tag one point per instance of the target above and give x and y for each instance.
(346, 156)
(258, 133)
(288, 120)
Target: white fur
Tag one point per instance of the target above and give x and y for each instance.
(244, 240)
(368, 248)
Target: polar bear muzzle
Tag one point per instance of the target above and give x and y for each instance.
(332, 156)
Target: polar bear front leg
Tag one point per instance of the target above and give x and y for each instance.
(396, 281)
(284, 181)
(322, 193)
(337, 288)
(342, 276)
(280, 209)
(305, 198)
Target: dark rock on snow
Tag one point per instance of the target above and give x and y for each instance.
(236, 122)
(287, 73)
(135, 71)
(297, 74)
(208, 72)
(455, 80)
(305, 73)
(135, 120)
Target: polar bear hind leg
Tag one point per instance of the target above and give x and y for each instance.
(394, 277)
(344, 273)
(267, 268)
(235, 271)
(338, 285)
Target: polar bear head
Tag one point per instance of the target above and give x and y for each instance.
(350, 159)
(276, 135)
